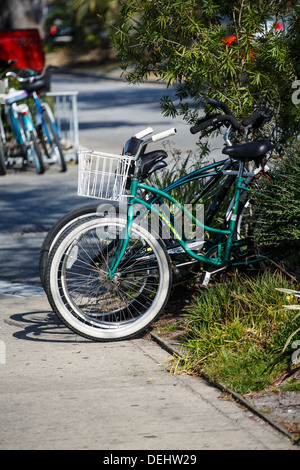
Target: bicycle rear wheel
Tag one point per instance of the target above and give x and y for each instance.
(94, 305)
(52, 144)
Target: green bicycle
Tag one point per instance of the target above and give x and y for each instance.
(210, 186)
(109, 278)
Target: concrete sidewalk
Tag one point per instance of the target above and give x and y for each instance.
(59, 391)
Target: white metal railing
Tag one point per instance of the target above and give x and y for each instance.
(66, 116)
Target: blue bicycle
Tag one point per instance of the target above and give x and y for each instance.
(19, 138)
(46, 127)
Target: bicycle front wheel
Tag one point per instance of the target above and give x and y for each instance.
(35, 153)
(88, 300)
(95, 210)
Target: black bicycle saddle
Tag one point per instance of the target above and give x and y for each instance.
(37, 85)
(152, 161)
(248, 151)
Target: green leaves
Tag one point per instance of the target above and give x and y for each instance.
(278, 202)
(185, 43)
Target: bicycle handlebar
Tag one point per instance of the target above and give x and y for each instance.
(13, 74)
(252, 118)
(216, 103)
(32, 78)
(135, 145)
(164, 134)
(258, 117)
(143, 133)
(215, 120)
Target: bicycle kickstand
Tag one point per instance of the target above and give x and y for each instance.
(206, 275)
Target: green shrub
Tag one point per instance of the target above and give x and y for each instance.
(237, 331)
(278, 204)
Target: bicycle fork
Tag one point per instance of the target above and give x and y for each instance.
(124, 238)
(40, 108)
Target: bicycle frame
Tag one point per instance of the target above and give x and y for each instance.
(134, 199)
(21, 110)
(196, 175)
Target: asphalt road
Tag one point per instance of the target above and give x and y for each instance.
(110, 111)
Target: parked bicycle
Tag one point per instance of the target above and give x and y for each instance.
(18, 137)
(47, 129)
(42, 131)
(201, 185)
(109, 278)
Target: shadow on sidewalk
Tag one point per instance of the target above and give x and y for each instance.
(42, 326)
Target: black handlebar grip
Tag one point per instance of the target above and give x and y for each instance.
(202, 125)
(250, 119)
(214, 121)
(212, 101)
(217, 103)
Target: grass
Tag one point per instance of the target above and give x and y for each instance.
(168, 328)
(237, 331)
(292, 386)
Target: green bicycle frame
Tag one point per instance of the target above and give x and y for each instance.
(133, 199)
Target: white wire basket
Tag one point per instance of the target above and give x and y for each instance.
(102, 175)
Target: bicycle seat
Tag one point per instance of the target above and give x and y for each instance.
(152, 161)
(36, 85)
(13, 96)
(248, 151)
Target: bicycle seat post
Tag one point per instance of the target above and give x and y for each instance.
(241, 169)
(227, 134)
